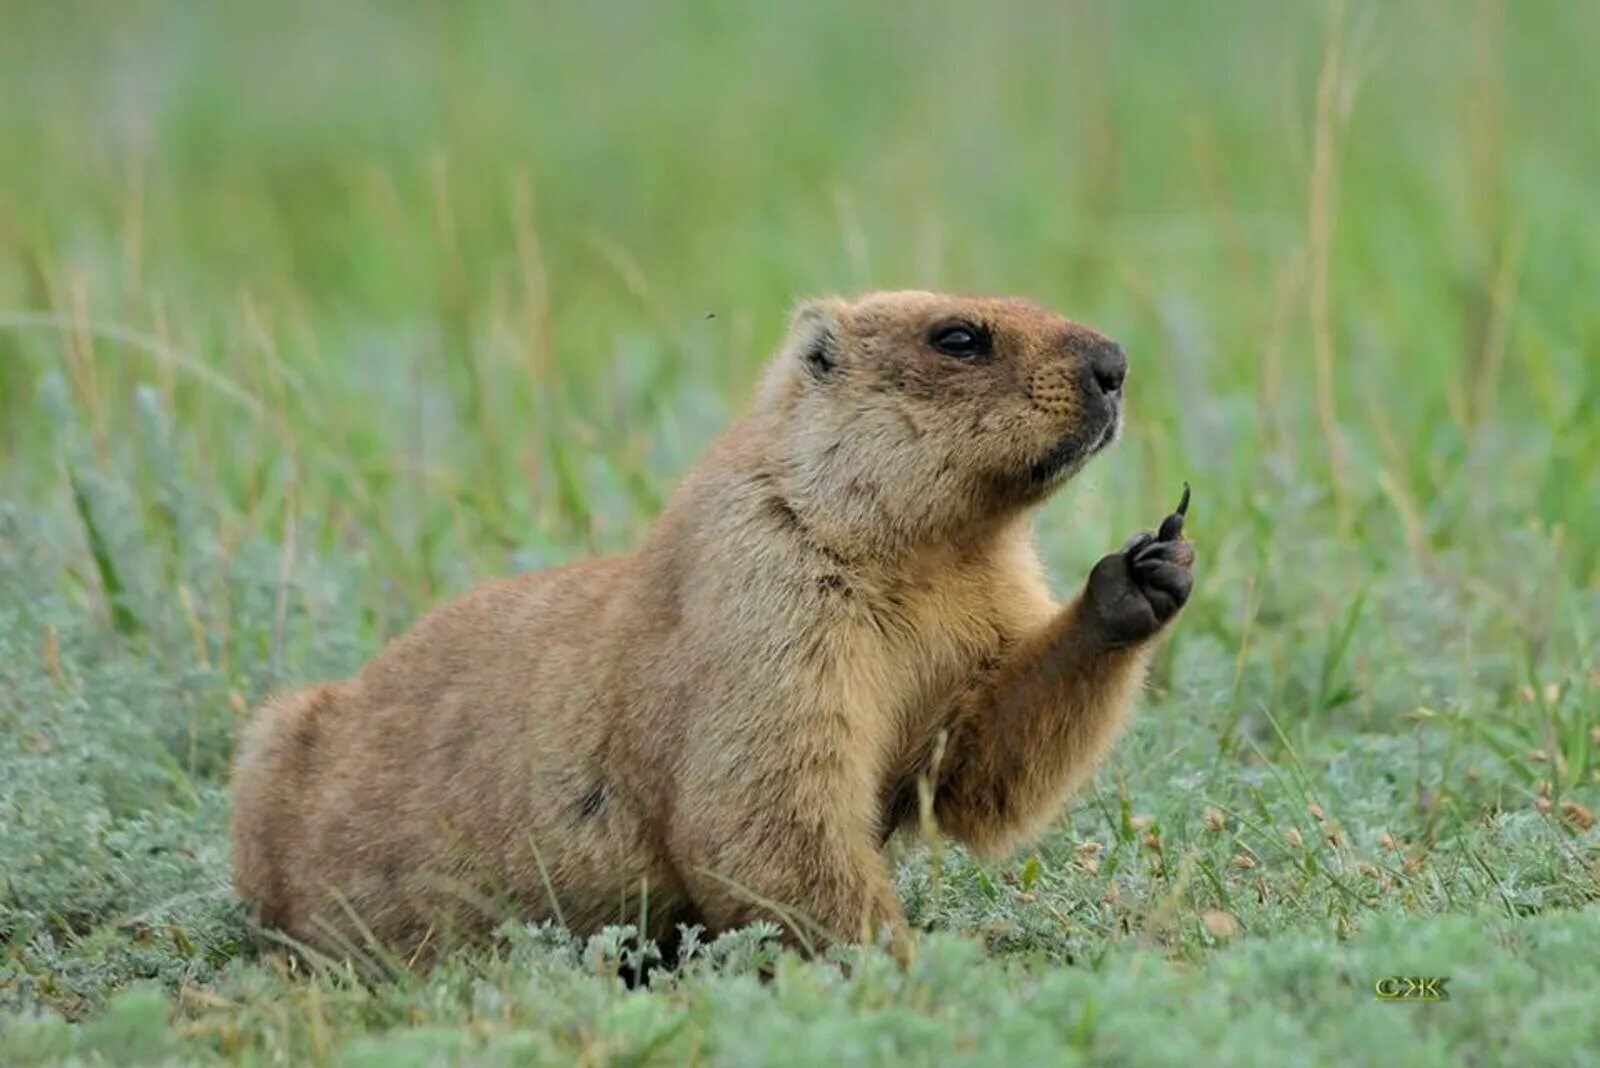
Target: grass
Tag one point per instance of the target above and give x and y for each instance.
(311, 316)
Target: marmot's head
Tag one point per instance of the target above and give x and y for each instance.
(921, 414)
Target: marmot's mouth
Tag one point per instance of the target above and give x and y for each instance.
(1113, 429)
(1062, 457)
(1068, 454)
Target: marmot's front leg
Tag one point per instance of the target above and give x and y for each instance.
(1028, 735)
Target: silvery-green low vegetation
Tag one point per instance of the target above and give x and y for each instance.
(312, 315)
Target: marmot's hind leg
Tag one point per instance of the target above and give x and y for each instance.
(820, 877)
(273, 772)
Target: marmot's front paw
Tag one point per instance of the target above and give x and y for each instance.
(1135, 592)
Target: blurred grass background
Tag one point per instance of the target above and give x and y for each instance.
(312, 314)
(449, 271)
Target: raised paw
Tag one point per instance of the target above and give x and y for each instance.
(1137, 590)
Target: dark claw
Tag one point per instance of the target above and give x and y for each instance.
(1134, 545)
(1136, 591)
(1177, 552)
(1171, 579)
(1172, 526)
(1166, 588)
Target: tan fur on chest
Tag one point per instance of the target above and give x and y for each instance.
(899, 651)
(892, 665)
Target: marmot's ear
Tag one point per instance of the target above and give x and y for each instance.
(814, 338)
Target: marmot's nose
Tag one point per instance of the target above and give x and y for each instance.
(1109, 365)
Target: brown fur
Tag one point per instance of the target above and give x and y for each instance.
(842, 595)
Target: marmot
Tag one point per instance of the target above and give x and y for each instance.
(841, 601)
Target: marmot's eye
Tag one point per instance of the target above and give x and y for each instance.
(961, 339)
